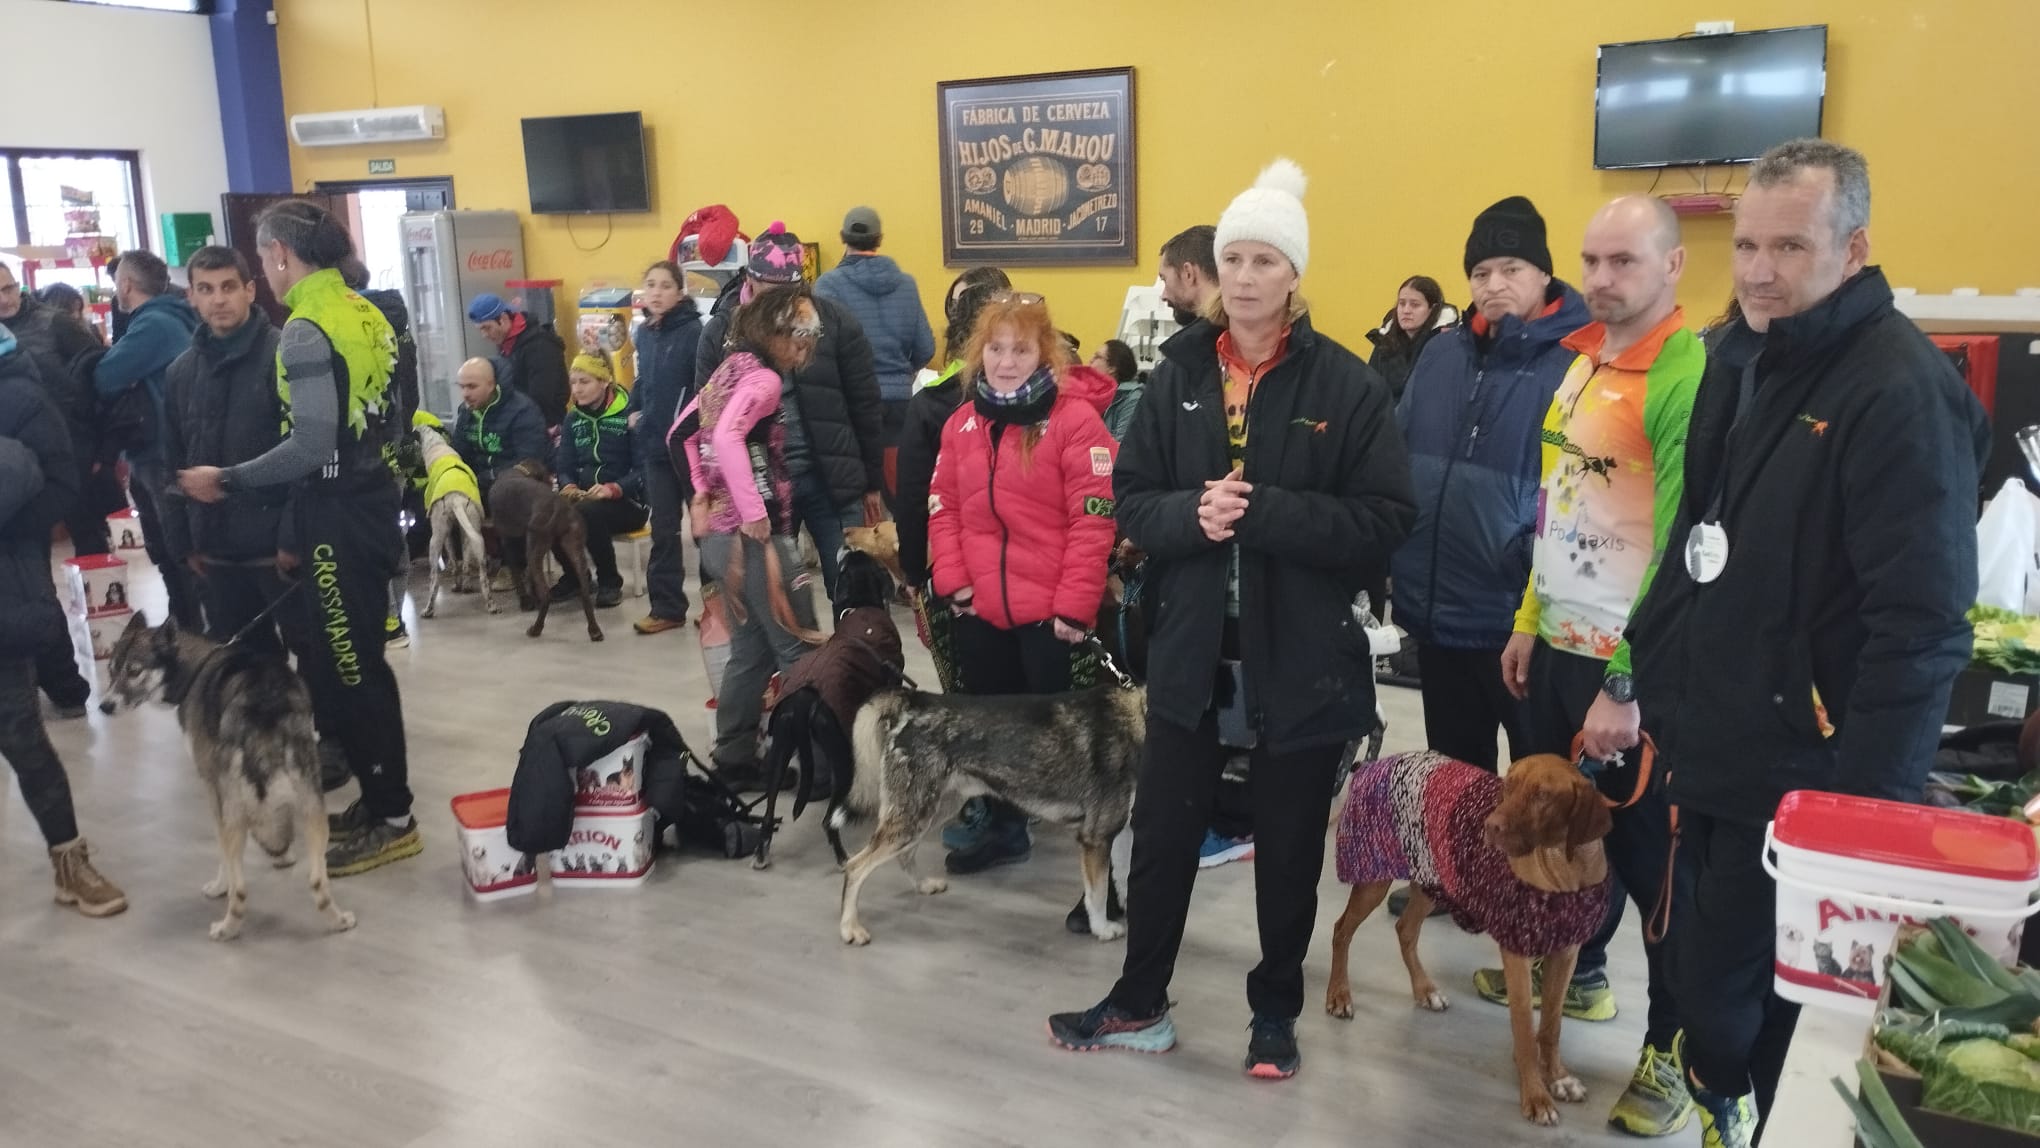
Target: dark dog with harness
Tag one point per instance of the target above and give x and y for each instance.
(523, 504)
(820, 696)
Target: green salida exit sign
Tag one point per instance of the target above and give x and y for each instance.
(382, 167)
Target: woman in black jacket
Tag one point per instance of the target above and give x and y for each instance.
(1420, 311)
(1266, 481)
(667, 344)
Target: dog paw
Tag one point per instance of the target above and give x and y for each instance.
(1339, 1003)
(225, 930)
(1538, 1109)
(495, 609)
(1108, 930)
(933, 885)
(427, 612)
(343, 921)
(534, 631)
(214, 889)
(1431, 999)
(856, 935)
(594, 635)
(1569, 1088)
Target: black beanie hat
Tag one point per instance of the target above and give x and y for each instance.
(1509, 228)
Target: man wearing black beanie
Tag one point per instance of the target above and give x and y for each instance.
(1471, 414)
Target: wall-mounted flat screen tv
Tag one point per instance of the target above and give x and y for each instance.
(1708, 99)
(582, 165)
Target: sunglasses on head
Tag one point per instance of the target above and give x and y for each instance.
(1023, 298)
(812, 330)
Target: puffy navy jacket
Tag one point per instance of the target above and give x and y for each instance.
(666, 350)
(598, 447)
(888, 306)
(1471, 415)
(501, 435)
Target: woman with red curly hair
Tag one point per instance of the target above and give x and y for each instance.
(1020, 526)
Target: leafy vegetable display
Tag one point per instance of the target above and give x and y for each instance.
(1967, 1026)
(2007, 642)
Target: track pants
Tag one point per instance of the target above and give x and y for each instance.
(26, 746)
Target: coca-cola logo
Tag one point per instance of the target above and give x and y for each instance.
(497, 260)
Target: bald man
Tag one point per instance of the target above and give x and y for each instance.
(498, 427)
(1613, 467)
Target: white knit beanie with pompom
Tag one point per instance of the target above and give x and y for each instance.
(1272, 212)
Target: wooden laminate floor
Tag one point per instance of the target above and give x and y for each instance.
(713, 1006)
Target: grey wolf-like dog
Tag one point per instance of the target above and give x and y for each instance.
(247, 719)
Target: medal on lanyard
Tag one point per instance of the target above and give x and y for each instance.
(1706, 551)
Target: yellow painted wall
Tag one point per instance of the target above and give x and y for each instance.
(1409, 117)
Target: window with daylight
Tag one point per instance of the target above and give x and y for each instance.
(77, 200)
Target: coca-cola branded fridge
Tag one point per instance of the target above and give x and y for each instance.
(449, 258)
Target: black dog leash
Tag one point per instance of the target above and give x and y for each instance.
(267, 612)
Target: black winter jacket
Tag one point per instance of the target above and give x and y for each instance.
(537, 365)
(1848, 491)
(920, 442)
(55, 340)
(567, 735)
(1331, 500)
(220, 407)
(666, 351)
(38, 483)
(839, 405)
(1395, 354)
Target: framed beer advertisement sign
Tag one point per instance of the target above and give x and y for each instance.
(1038, 169)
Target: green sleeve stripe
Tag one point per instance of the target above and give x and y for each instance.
(1669, 389)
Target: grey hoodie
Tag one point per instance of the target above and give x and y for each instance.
(888, 305)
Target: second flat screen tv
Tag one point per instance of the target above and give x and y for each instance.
(1708, 99)
(581, 165)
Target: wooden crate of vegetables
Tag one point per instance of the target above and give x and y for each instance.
(1954, 1059)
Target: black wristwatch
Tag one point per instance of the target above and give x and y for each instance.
(1619, 688)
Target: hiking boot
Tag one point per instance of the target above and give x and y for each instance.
(608, 596)
(395, 636)
(80, 885)
(1656, 1103)
(969, 827)
(1079, 920)
(1271, 1051)
(373, 847)
(500, 581)
(565, 590)
(653, 624)
(1725, 1121)
(1106, 1025)
(1005, 842)
(333, 771)
(1588, 998)
(1218, 850)
(348, 823)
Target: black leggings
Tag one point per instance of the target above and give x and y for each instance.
(1022, 660)
(350, 548)
(1291, 796)
(606, 518)
(26, 746)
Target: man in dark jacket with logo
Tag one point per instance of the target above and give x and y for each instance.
(887, 304)
(220, 409)
(1808, 623)
(531, 356)
(1472, 414)
(834, 438)
(37, 481)
(54, 339)
(159, 329)
(497, 427)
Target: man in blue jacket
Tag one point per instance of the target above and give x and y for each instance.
(1472, 413)
(159, 329)
(887, 304)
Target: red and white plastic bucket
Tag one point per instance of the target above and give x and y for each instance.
(494, 871)
(1851, 870)
(607, 849)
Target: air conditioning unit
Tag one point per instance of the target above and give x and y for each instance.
(369, 126)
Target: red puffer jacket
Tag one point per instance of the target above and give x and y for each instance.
(1031, 540)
